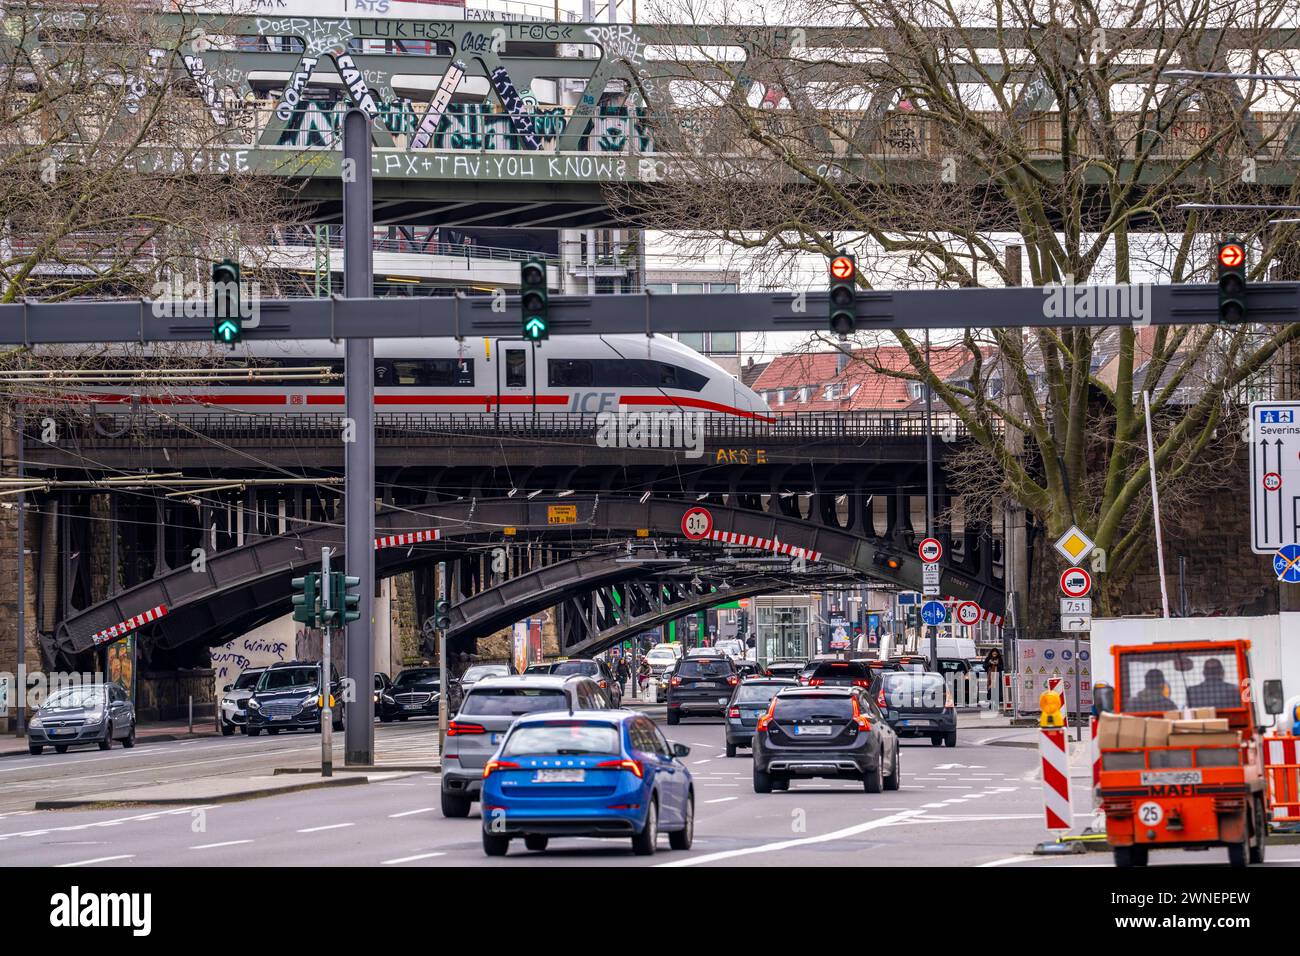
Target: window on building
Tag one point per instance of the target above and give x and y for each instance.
(684, 288)
(915, 390)
(722, 287)
(692, 340)
(659, 288)
(801, 395)
(833, 392)
(723, 343)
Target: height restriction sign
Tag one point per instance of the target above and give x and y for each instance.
(697, 523)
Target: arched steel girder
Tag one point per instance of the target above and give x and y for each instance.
(240, 588)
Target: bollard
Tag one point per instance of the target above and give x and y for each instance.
(191, 715)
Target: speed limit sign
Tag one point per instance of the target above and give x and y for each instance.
(697, 523)
(968, 613)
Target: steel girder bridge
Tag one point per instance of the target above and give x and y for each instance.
(469, 128)
(613, 564)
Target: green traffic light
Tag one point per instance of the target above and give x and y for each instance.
(534, 300)
(228, 327)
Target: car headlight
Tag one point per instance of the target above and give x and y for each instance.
(35, 722)
(253, 704)
(228, 702)
(311, 701)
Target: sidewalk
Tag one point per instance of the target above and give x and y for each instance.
(11, 746)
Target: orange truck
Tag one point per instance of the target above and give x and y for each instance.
(1181, 759)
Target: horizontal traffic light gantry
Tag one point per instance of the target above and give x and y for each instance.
(1231, 264)
(534, 301)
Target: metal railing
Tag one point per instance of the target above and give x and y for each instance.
(459, 250)
(113, 427)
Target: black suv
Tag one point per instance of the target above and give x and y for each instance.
(701, 685)
(824, 732)
(917, 704)
(838, 674)
(287, 697)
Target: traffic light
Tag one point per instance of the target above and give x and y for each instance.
(344, 605)
(227, 322)
(533, 300)
(843, 294)
(442, 614)
(887, 561)
(304, 602)
(1232, 282)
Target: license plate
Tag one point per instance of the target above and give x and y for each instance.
(751, 714)
(706, 683)
(814, 731)
(1156, 777)
(560, 776)
(65, 731)
(410, 707)
(281, 717)
(497, 738)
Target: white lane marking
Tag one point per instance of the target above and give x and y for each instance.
(213, 846)
(705, 760)
(188, 763)
(1007, 860)
(99, 823)
(953, 788)
(409, 813)
(331, 826)
(932, 806)
(99, 859)
(802, 841)
(410, 859)
(721, 799)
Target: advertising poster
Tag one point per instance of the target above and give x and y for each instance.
(121, 664)
(519, 649)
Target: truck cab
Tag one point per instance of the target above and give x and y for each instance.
(1181, 761)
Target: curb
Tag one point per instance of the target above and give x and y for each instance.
(74, 803)
(365, 768)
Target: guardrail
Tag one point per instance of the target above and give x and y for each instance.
(110, 427)
(458, 250)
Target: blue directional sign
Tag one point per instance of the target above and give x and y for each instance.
(934, 613)
(1286, 563)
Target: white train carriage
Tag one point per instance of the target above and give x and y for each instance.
(571, 374)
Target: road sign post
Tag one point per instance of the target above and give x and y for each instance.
(1274, 475)
(326, 711)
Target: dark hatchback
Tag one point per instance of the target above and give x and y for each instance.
(787, 667)
(701, 685)
(748, 703)
(839, 674)
(598, 671)
(288, 697)
(832, 732)
(917, 704)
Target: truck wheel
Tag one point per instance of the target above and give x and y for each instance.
(1126, 856)
(1260, 833)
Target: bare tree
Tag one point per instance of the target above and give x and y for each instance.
(929, 137)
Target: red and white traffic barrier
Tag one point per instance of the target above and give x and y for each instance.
(409, 537)
(1056, 778)
(1096, 756)
(765, 544)
(1282, 771)
(130, 624)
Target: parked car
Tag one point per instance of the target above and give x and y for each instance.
(288, 697)
(917, 704)
(416, 693)
(701, 685)
(591, 773)
(835, 732)
(598, 671)
(489, 708)
(234, 701)
(87, 714)
(748, 703)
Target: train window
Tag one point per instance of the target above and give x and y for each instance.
(571, 372)
(516, 368)
(440, 372)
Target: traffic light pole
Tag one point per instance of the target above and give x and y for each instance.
(326, 685)
(359, 481)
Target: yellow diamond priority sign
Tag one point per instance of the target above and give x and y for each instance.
(1074, 545)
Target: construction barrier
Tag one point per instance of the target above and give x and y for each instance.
(1056, 778)
(1282, 772)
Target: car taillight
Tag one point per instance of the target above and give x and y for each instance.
(858, 718)
(676, 681)
(815, 682)
(763, 722)
(947, 697)
(492, 766)
(733, 711)
(861, 683)
(633, 765)
(603, 685)
(880, 698)
(455, 729)
(733, 680)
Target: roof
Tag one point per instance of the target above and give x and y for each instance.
(525, 680)
(599, 716)
(861, 387)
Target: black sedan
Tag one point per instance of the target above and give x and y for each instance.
(288, 697)
(415, 693)
(832, 732)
